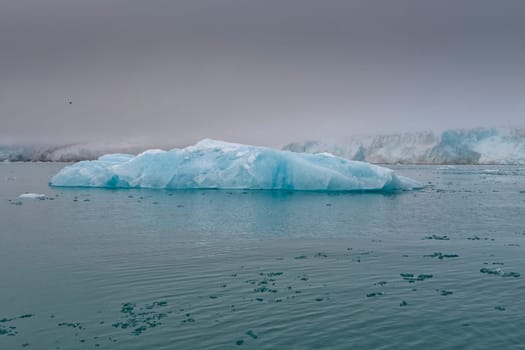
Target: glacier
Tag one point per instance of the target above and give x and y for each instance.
(211, 164)
(65, 152)
(470, 146)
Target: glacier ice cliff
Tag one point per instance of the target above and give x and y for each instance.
(213, 164)
(65, 152)
(472, 146)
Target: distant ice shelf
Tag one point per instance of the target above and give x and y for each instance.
(470, 146)
(64, 152)
(212, 164)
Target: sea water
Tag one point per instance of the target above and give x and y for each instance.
(438, 268)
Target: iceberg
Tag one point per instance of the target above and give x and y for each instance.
(32, 196)
(211, 164)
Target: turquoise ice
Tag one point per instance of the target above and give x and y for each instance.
(211, 164)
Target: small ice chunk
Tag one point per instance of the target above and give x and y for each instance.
(32, 196)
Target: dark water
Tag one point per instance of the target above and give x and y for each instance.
(441, 268)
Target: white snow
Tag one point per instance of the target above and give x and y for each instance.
(216, 164)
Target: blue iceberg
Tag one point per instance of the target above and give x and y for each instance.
(212, 164)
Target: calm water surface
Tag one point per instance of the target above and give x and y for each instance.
(440, 268)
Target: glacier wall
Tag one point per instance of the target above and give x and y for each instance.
(220, 165)
(63, 153)
(472, 146)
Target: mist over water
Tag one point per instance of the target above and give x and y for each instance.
(260, 72)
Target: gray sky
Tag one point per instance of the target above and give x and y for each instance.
(263, 72)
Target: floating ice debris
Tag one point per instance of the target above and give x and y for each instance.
(264, 290)
(441, 256)
(300, 257)
(444, 292)
(71, 325)
(411, 278)
(270, 274)
(304, 278)
(221, 165)
(438, 238)
(32, 196)
(477, 238)
(140, 319)
(188, 319)
(499, 272)
(8, 331)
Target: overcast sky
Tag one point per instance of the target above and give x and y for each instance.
(263, 72)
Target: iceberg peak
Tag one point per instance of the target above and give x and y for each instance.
(212, 164)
